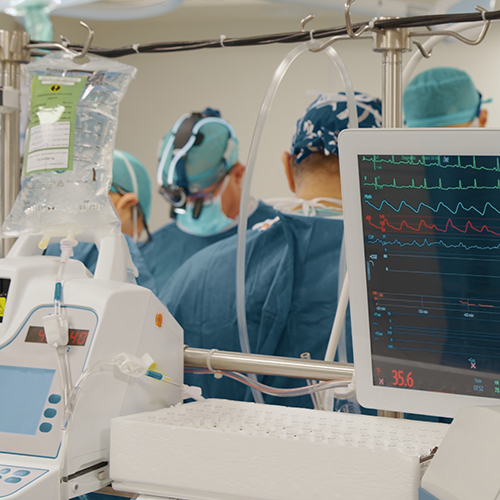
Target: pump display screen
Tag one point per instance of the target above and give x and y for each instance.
(23, 393)
(37, 334)
(431, 228)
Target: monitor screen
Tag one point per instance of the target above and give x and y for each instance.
(432, 238)
(422, 229)
(23, 392)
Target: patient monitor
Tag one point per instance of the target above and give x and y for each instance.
(422, 229)
(44, 454)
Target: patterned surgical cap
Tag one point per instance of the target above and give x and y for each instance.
(318, 130)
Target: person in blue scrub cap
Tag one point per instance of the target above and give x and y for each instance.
(131, 195)
(294, 263)
(443, 97)
(200, 176)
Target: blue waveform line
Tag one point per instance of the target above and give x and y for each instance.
(435, 210)
(428, 243)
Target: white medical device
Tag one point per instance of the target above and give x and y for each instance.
(44, 455)
(466, 463)
(422, 229)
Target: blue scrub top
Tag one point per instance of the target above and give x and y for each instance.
(291, 292)
(170, 246)
(88, 253)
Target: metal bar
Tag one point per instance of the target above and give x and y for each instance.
(13, 51)
(266, 365)
(392, 70)
(10, 151)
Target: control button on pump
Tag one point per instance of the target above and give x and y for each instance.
(4, 471)
(21, 473)
(45, 427)
(54, 399)
(49, 413)
(13, 479)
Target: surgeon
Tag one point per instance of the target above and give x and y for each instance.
(131, 196)
(292, 262)
(443, 97)
(200, 176)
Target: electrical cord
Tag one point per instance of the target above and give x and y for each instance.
(290, 37)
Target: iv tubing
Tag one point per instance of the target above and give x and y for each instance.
(338, 321)
(247, 182)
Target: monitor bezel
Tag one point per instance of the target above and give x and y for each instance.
(354, 142)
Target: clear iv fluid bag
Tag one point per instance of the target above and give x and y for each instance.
(68, 154)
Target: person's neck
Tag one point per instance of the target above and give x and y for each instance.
(319, 187)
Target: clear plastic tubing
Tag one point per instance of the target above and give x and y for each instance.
(247, 183)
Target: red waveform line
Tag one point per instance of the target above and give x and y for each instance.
(422, 223)
(480, 305)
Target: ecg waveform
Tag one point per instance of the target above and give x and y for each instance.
(431, 233)
(423, 161)
(440, 205)
(384, 223)
(426, 243)
(377, 186)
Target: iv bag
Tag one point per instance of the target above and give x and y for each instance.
(69, 145)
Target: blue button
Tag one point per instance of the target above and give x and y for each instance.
(54, 398)
(13, 480)
(21, 473)
(4, 471)
(45, 427)
(50, 413)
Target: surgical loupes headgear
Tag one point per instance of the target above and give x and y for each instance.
(196, 153)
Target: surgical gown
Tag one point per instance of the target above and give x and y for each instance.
(88, 253)
(170, 246)
(291, 299)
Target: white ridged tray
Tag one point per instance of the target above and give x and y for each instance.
(218, 450)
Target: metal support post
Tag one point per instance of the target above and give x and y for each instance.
(13, 52)
(266, 365)
(392, 43)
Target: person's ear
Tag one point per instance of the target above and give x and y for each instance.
(126, 201)
(483, 118)
(286, 158)
(237, 172)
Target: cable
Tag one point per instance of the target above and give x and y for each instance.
(273, 391)
(290, 37)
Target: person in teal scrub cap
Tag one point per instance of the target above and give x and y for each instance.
(443, 97)
(131, 195)
(293, 263)
(200, 176)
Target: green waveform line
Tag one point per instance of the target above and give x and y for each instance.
(413, 161)
(376, 185)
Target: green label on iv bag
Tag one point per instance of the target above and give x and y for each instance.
(51, 132)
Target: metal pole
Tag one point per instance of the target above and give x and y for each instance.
(392, 43)
(13, 52)
(267, 365)
(392, 112)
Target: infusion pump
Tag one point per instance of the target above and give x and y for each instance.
(43, 454)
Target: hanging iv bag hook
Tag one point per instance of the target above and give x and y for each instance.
(348, 24)
(454, 34)
(332, 40)
(64, 44)
(90, 36)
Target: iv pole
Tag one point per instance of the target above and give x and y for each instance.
(13, 52)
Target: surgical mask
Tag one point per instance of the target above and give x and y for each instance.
(212, 219)
(474, 123)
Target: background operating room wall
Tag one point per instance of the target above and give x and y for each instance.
(235, 79)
